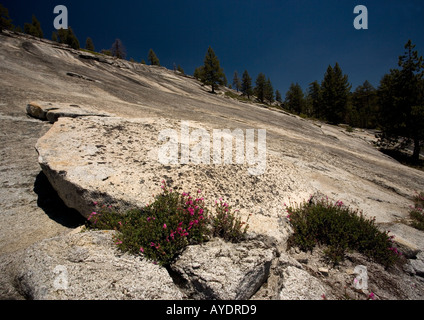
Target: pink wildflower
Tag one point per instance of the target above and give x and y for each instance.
(164, 225)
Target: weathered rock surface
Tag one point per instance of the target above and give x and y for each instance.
(115, 161)
(300, 285)
(305, 157)
(222, 270)
(86, 266)
(53, 111)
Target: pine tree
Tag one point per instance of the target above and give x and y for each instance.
(246, 84)
(153, 59)
(260, 87)
(278, 97)
(89, 45)
(213, 75)
(180, 69)
(37, 27)
(62, 35)
(236, 81)
(68, 37)
(5, 21)
(401, 99)
(364, 106)
(198, 73)
(34, 29)
(335, 94)
(72, 40)
(269, 91)
(295, 99)
(314, 96)
(118, 49)
(54, 37)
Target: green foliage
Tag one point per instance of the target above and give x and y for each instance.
(34, 28)
(106, 52)
(335, 90)
(89, 45)
(153, 59)
(417, 211)
(118, 49)
(212, 74)
(260, 87)
(54, 37)
(236, 81)
(236, 96)
(162, 229)
(226, 225)
(340, 229)
(180, 69)
(5, 21)
(315, 100)
(364, 113)
(269, 91)
(246, 84)
(278, 97)
(401, 96)
(68, 37)
(198, 73)
(295, 100)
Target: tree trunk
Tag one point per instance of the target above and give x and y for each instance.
(417, 149)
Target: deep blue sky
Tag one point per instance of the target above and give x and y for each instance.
(289, 41)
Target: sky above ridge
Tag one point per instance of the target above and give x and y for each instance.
(289, 41)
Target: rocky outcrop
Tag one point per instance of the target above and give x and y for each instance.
(222, 270)
(86, 266)
(300, 285)
(115, 161)
(109, 160)
(53, 111)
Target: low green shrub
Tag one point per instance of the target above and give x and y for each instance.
(162, 229)
(340, 229)
(416, 212)
(226, 224)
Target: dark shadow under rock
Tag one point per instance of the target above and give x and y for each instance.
(52, 204)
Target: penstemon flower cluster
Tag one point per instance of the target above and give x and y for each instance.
(163, 228)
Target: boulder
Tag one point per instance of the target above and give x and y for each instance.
(222, 270)
(115, 161)
(297, 284)
(86, 266)
(52, 111)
